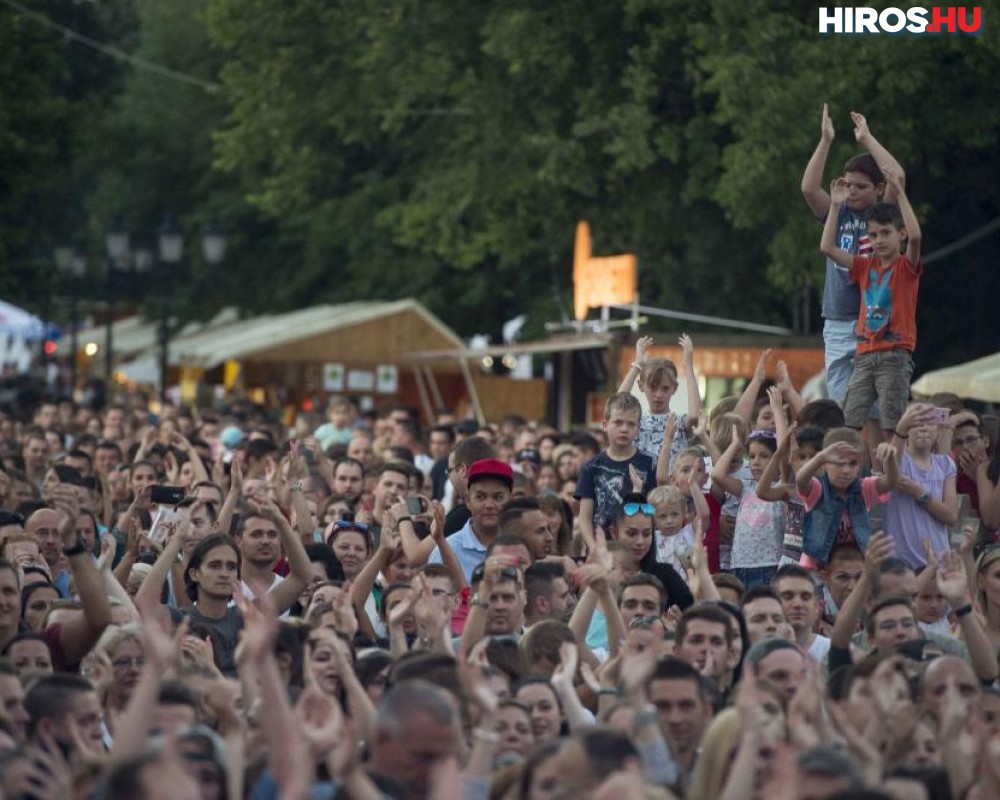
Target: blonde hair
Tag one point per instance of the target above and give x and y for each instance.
(718, 747)
(667, 496)
(624, 402)
(722, 430)
(655, 369)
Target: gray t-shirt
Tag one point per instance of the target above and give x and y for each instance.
(841, 298)
(225, 634)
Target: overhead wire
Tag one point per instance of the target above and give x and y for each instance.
(114, 52)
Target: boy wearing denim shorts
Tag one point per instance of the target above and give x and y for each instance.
(887, 325)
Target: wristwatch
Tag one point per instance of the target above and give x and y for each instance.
(924, 499)
(476, 600)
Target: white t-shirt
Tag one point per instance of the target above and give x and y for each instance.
(819, 648)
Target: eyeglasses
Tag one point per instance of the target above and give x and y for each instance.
(756, 435)
(631, 509)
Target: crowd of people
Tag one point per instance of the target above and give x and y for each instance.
(765, 598)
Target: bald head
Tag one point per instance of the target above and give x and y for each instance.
(44, 526)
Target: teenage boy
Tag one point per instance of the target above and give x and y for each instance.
(887, 324)
(607, 478)
(841, 299)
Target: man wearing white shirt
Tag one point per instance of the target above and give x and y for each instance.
(799, 598)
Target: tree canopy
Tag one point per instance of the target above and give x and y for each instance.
(446, 150)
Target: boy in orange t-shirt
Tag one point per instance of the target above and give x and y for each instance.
(887, 325)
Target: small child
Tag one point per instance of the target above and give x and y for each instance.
(837, 504)
(760, 525)
(658, 382)
(887, 325)
(337, 429)
(930, 606)
(925, 502)
(689, 474)
(673, 534)
(606, 478)
(724, 427)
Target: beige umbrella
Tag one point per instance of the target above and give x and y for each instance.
(975, 380)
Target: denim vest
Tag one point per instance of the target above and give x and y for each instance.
(819, 532)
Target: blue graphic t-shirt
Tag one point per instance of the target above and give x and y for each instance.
(841, 298)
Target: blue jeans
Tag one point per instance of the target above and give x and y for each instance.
(839, 345)
(755, 576)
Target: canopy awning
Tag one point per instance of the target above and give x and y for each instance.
(975, 380)
(556, 344)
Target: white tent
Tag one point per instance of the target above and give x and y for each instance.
(975, 380)
(17, 328)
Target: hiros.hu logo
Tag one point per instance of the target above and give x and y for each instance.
(939, 19)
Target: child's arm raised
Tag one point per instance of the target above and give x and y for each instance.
(889, 479)
(812, 179)
(837, 450)
(720, 470)
(778, 410)
(828, 242)
(766, 488)
(788, 391)
(587, 521)
(882, 156)
(663, 458)
(694, 396)
(702, 513)
(744, 406)
(641, 348)
(913, 234)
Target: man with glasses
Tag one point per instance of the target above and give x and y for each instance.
(969, 447)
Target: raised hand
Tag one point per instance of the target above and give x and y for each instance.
(891, 176)
(760, 371)
(565, 672)
(886, 453)
(636, 670)
(826, 131)
(784, 381)
(838, 191)
(687, 348)
(642, 349)
(636, 477)
(260, 628)
(861, 132)
(840, 451)
(472, 671)
(952, 580)
(879, 549)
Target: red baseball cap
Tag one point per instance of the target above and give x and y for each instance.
(491, 468)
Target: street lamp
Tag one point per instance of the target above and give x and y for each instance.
(72, 266)
(171, 246)
(116, 242)
(171, 250)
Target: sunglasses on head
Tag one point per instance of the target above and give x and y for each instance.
(350, 525)
(631, 509)
(762, 435)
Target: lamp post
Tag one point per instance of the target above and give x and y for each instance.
(116, 242)
(171, 250)
(72, 268)
(171, 247)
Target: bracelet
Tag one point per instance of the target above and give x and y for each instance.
(964, 611)
(295, 487)
(902, 436)
(607, 691)
(483, 735)
(404, 519)
(636, 366)
(78, 549)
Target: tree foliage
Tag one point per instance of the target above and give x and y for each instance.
(445, 150)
